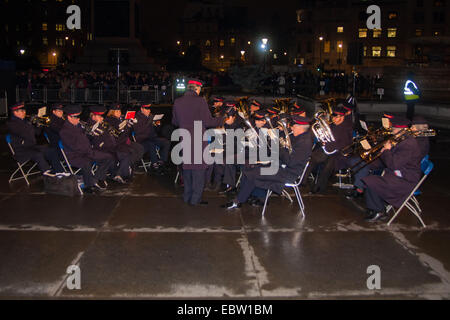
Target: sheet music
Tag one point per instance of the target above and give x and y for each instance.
(42, 112)
(158, 117)
(363, 125)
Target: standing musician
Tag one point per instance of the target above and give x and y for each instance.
(105, 142)
(186, 110)
(23, 140)
(146, 135)
(124, 144)
(329, 155)
(401, 175)
(291, 165)
(81, 154)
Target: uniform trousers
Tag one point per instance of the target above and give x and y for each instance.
(100, 174)
(374, 201)
(150, 146)
(194, 183)
(410, 106)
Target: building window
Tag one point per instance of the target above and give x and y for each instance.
(393, 16)
(419, 32)
(44, 27)
(340, 29)
(326, 47)
(365, 51)
(392, 33)
(377, 33)
(233, 41)
(340, 46)
(207, 56)
(222, 43)
(208, 43)
(362, 33)
(59, 27)
(391, 51)
(73, 43)
(437, 33)
(45, 41)
(376, 51)
(59, 42)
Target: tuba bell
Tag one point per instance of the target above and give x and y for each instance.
(321, 128)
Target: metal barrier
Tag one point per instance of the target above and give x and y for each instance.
(97, 95)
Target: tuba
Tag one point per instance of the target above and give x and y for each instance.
(321, 128)
(286, 141)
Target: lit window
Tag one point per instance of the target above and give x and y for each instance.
(208, 43)
(59, 27)
(340, 46)
(392, 33)
(393, 15)
(418, 32)
(233, 41)
(362, 33)
(44, 27)
(340, 29)
(73, 43)
(391, 50)
(376, 51)
(45, 41)
(222, 43)
(436, 33)
(326, 47)
(365, 51)
(207, 56)
(376, 33)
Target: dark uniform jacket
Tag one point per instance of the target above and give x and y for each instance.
(186, 110)
(23, 136)
(294, 164)
(343, 135)
(78, 147)
(104, 142)
(52, 131)
(144, 128)
(401, 175)
(123, 142)
(424, 146)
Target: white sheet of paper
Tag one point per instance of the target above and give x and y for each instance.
(363, 125)
(158, 117)
(42, 111)
(365, 144)
(385, 122)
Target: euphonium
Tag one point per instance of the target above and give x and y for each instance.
(286, 141)
(321, 128)
(91, 130)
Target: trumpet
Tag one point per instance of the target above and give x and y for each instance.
(39, 121)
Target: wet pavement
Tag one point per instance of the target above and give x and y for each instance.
(142, 241)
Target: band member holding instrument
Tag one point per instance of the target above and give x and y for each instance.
(56, 124)
(255, 105)
(186, 110)
(147, 136)
(291, 165)
(23, 140)
(329, 152)
(420, 123)
(123, 141)
(218, 103)
(400, 176)
(105, 142)
(81, 154)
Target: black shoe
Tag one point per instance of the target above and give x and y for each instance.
(257, 203)
(375, 216)
(232, 205)
(353, 195)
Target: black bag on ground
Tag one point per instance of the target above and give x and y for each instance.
(66, 186)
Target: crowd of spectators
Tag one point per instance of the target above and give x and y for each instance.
(306, 83)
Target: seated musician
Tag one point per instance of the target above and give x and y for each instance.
(225, 174)
(402, 173)
(329, 155)
(106, 142)
(56, 124)
(255, 105)
(418, 124)
(23, 141)
(80, 153)
(291, 165)
(217, 105)
(147, 136)
(123, 141)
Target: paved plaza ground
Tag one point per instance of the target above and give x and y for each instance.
(142, 241)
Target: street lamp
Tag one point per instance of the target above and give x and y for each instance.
(264, 46)
(320, 50)
(340, 62)
(22, 51)
(242, 55)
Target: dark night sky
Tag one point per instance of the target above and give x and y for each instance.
(161, 16)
